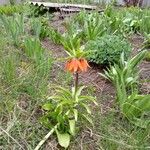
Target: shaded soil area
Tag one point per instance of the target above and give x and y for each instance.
(144, 67)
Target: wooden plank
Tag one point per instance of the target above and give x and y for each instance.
(70, 10)
(64, 5)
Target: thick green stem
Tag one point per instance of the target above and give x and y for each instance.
(76, 81)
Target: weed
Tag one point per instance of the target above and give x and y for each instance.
(14, 27)
(33, 49)
(9, 68)
(39, 27)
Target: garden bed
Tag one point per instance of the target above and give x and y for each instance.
(24, 91)
(100, 87)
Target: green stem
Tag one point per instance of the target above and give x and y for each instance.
(76, 81)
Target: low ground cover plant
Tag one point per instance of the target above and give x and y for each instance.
(107, 49)
(39, 27)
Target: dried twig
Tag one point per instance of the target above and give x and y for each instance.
(46, 137)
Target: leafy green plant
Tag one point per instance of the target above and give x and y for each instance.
(107, 49)
(93, 26)
(125, 77)
(136, 20)
(87, 26)
(42, 60)
(64, 110)
(39, 27)
(132, 24)
(54, 35)
(72, 46)
(14, 27)
(126, 20)
(44, 65)
(33, 49)
(9, 68)
(66, 107)
(120, 22)
(112, 20)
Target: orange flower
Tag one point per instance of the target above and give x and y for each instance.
(77, 65)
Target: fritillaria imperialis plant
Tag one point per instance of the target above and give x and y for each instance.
(76, 62)
(124, 76)
(66, 107)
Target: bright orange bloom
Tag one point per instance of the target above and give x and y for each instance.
(77, 65)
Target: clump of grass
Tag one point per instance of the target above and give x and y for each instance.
(24, 80)
(14, 27)
(33, 49)
(9, 68)
(114, 132)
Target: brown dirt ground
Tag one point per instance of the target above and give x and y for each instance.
(102, 87)
(144, 67)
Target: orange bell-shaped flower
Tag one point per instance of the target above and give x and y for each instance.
(77, 65)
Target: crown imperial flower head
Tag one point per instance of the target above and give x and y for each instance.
(77, 65)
